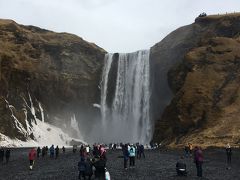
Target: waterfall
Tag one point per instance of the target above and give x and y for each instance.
(75, 126)
(125, 108)
(42, 112)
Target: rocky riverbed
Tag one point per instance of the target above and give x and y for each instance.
(158, 164)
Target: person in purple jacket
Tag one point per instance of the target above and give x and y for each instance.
(198, 159)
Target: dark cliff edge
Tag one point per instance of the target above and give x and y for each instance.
(196, 70)
(57, 73)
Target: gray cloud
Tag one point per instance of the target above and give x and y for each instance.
(115, 25)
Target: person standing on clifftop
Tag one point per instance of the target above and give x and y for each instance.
(198, 159)
(229, 155)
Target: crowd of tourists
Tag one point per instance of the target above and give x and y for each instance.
(197, 154)
(93, 160)
(130, 153)
(36, 153)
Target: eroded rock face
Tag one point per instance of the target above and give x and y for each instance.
(205, 82)
(56, 72)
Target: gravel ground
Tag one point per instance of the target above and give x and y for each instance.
(157, 165)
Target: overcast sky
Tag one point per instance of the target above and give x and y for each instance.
(115, 25)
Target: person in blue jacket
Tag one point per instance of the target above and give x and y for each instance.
(132, 154)
(51, 149)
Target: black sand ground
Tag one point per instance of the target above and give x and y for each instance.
(157, 165)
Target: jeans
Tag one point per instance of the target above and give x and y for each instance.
(125, 162)
(142, 154)
(132, 161)
(229, 159)
(81, 174)
(199, 169)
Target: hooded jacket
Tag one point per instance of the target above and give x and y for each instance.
(198, 156)
(32, 154)
(132, 152)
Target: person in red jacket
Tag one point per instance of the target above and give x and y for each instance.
(32, 156)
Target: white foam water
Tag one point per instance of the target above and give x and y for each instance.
(127, 117)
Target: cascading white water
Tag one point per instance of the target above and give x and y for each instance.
(126, 117)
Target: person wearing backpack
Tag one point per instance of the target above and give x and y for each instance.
(132, 154)
(82, 168)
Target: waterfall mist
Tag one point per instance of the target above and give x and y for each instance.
(125, 95)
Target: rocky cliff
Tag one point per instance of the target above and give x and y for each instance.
(46, 75)
(202, 62)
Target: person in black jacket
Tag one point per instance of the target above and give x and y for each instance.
(181, 167)
(82, 168)
(38, 151)
(46, 148)
(125, 155)
(43, 151)
(63, 150)
(7, 155)
(141, 151)
(229, 155)
(56, 152)
(1, 154)
(100, 165)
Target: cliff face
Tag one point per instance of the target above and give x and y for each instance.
(205, 83)
(42, 71)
